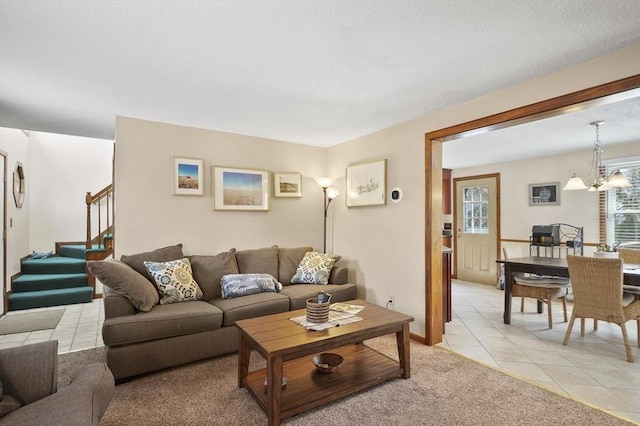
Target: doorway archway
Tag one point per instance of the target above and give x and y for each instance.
(586, 98)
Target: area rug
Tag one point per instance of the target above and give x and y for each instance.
(32, 321)
(444, 389)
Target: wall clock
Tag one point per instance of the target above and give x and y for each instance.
(18, 185)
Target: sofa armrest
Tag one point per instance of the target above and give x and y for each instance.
(339, 275)
(81, 403)
(116, 305)
(30, 372)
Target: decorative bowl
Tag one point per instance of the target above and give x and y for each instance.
(327, 362)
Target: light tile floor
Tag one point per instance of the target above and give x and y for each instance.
(79, 328)
(592, 369)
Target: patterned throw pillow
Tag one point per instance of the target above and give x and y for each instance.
(314, 268)
(236, 285)
(174, 280)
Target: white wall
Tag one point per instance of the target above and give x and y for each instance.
(63, 169)
(16, 144)
(148, 216)
(578, 208)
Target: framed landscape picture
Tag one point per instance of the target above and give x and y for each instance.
(188, 176)
(544, 194)
(366, 184)
(240, 189)
(287, 185)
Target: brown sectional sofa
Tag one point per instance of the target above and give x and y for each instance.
(160, 336)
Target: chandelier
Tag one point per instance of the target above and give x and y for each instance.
(600, 181)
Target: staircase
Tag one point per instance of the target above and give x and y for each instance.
(62, 278)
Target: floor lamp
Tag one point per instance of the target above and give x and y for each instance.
(329, 194)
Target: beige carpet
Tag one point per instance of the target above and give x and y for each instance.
(32, 321)
(444, 389)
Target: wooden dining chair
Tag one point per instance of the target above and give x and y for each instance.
(597, 294)
(629, 255)
(543, 288)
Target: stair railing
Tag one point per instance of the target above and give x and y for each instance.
(105, 196)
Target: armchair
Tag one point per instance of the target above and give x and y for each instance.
(29, 374)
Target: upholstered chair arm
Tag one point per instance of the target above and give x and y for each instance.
(30, 373)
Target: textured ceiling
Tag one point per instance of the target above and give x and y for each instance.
(313, 72)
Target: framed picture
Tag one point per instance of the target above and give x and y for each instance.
(366, 184)
(287, 185)
(188, 176)
(240, 189)
(544, 194)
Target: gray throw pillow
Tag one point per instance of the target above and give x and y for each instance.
(164, 254)
(208, 271)
(125, 281)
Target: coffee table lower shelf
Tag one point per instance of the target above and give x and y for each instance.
(362, 368)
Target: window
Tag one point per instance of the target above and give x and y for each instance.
(476, 209)
(622, 205)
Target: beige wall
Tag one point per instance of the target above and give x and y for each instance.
(148, 216)
(383, 245)
(578, 208)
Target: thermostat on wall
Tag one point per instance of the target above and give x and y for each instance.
(396, 195)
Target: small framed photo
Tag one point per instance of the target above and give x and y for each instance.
(240, 189)
(544, 194)
(188, 176)
(366, 184)
(287, 185)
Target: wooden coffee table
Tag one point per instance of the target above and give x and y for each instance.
(288, 348)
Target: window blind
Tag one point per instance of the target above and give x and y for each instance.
(623, 205)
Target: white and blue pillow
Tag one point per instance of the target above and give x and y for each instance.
(174, 280)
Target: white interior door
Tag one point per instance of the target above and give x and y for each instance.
(476, 229)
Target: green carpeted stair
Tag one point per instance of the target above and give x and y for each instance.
(53, 281)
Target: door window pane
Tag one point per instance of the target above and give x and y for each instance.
(476, 210)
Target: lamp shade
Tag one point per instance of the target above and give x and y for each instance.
(574, 183)
(332, 192)
(618, 180)
(324, 182)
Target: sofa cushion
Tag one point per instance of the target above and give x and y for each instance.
(298, 294)
(315, 268)
(251, 306)
(238, 285)
(174, 280)
(162, 321)
(208, 271)
(136, 261)
(125, 281)
(258, 261)
(288, 261)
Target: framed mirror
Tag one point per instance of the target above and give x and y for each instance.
(18, 185)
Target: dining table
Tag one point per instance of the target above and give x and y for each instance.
(555, 267)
